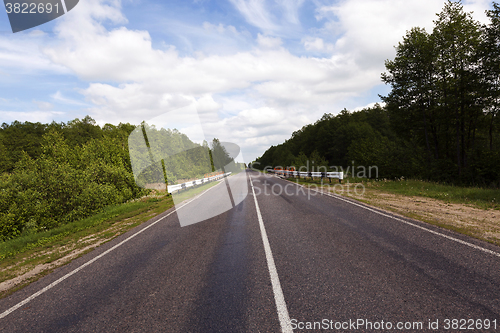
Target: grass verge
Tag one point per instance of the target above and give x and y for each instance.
(469, 211)
(480, 197)
(483, 198)
(192, 191)
(30, 256)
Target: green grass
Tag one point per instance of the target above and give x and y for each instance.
(73, 231)
(29, 250)
(472, 196)
(192, 191)
(481, 197)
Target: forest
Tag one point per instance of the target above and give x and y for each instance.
(439, 121)
(54, 174)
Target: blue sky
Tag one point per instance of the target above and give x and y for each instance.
(256, 70)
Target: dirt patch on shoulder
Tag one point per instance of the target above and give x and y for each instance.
(33, 271)
(40, 268)
(480, 223)
(35, 265)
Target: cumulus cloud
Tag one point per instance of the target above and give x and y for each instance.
(267, 42)
(314, 44)
(22, 54)
(60, 98)
(220, 28)
(44, 106)
(254, 96)
(31, 116)
(371, 28)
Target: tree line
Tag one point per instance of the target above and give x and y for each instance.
(167, 156)
(53, 174)
(440, 119)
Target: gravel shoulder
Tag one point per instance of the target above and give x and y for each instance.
(479, 223)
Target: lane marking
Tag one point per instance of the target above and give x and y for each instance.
(284, 317)
(76, 270)
(474, 246)
(477, 247)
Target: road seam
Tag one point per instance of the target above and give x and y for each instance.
(336, 196)
(76, 270)
(283, 315)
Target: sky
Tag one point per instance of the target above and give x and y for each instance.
(254, 71)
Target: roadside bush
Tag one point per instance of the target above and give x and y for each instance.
(64, 184)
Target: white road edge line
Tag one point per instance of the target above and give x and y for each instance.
(477, 247)
(284, 317)
(474, 246)
(76, 270)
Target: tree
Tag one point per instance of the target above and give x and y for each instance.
(438, 90)
(220, 155)
(412, 100)
(457, 39)
(490, 56)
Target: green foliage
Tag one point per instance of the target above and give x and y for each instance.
(481, 197)
(67, 179)
(440, 120)
(131, 212)
(445, 93)
(333, 140)
(156, 153)
(55, 174)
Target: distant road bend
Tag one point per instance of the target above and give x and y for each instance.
(293, 261)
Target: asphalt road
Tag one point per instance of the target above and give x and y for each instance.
(331, 262)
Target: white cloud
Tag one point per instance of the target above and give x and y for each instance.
(220, 28)
(291, 9)
(478, 8)
(314, 44)
(255, 95)
(317, 44)
(31, 116)
(276, 17)
(22, 54)
(152, 81)
(207, 104)
(60, 98)
(371, 28)
(370, 105)
(256, 13)
(44, 106)
(267, 42)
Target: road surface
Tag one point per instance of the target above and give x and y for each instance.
(282, 261)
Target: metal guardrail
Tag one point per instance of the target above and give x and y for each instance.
(183, 186)
(337, 175)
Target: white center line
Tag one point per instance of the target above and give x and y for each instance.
(283, 315)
